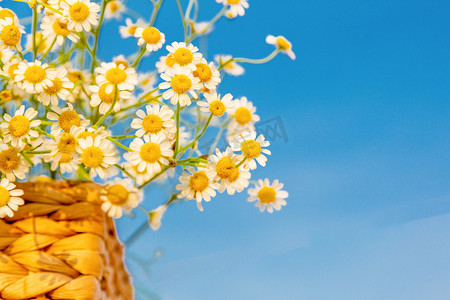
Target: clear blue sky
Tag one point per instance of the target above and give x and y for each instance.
(366, 109)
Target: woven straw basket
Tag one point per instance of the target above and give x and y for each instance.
(60, 245)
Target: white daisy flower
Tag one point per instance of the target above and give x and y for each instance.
(101, 132)
(10, 34)
(165, 63)
(230, 67)
(185, 56)
(236, 182)
(12, 164)
(66, 118)
(33, 77)
(124, 78)
(130, 28)
(114, 9)
(237, 7)
(150, 153)
(252, 149)
(207, 74)
(82, 14)
(266, 195)
(196, 185)
(9, 69)
(104, 96)
(157, 120)
(222, 164)
(19, 127)
(215, 105)
(119, 195)
(155, 216)
(151, 36)
(243, 113)
(53, 27)
(9, 198)
(179, 83)
(281, 43)
(98, 155)
(59, 89)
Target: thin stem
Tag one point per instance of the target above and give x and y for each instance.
(35, 20)
(124, 171)
(178, 130)
(241, 162)
(119, 144)
(138, 59)
(43, 132)
(192, 144)
(258, 61)
(27, 158)
(49, 49)
(99, 122)
(183, 20)
(37, 152)
(96, 36)
(154, 177)
(120, 137)
(155, 12)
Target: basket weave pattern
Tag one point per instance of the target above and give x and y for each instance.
(60, 245)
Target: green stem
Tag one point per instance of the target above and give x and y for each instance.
(119, 144)
(155, 12)
(183, 20)
(35, 20)
(99, 122)
(192, 144)
(120, 137)
(96, 36)
(27, 159)
(178, 130)
(241, 162)
(124, 171)
(154, 177)
(49, 49)
(43, 132)
(258, 61)
(138, 59)
(38, 152)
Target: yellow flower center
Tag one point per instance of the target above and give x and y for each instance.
(9, 160)
(113, 6)
(65, 158)
(122, 62)
(152, 123)
(283, 43)
(183, 56)
(234, 175)
(10, 35)
(92, 157)
(79, 12)
(267, 195)
(151, 35)
(199, 181)
(6, 13)
(181, 83)
(11, 70)
(4, 196)
(203, 72)
(85, 134)
(67, 143)
(170, 61)
(217, 108)
(243, 115)
(251, 149)
(117, 194)
(150, 152)
(104, 96)
(60, 28)
(75, 76)
(35, 74)
(116, 75)
(55, 88)
(67, 119)
(132, 29)
(6, 95)
(225, 167)
(233, 2)
(19, 126)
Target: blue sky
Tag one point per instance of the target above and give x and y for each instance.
(366, 110)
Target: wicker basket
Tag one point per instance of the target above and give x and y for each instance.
(60, 245)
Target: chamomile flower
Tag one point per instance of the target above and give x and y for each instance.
(82, 14)
(100, 132)
(130, 28)
(229, 66)
(207, 74)
(282, 44)
(155, 216)
(9, 198)
(150, 153)
(236, 182)
(165, 63)
(59, 89)
(121, 60)
(244, 114)
(9, 69)
(179, 83)
(156, 120)
(124, 78)
(151, 37)
(141, 177)
(66, 118)
(252, 149)
(196, 185)
(12, 164)
(119, 195)
(98, 155)
(202, 28)
(7, 13)
(53, 27)
(266, 195)
(19, 127)
(33, 77)
(114, 9)
(105, 94)
(215, 104)
(237, 7)
(10, 34)
(185, 56)
(6, 55)
(222, 164)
